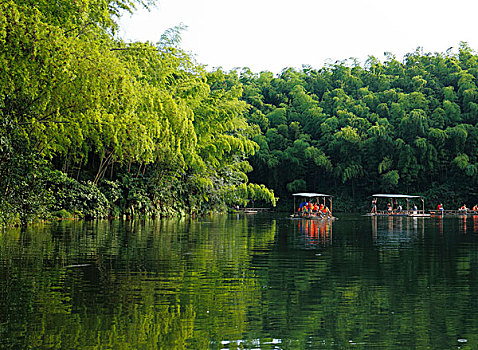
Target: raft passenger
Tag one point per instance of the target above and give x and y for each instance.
(441, 209)
(374, 205)
(463, 209)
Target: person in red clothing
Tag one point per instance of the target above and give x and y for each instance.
(441, 209)
(316, 208)
(463, 209)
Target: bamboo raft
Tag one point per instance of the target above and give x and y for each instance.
(314, 215)
(251, 210)
(409, 213)
(393, 211)
(452, 212)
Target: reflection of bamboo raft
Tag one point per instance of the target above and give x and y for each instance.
(315, 232)
(452, 212)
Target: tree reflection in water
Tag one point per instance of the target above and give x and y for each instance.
(249, 282)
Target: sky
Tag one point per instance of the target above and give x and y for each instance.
(270, 35)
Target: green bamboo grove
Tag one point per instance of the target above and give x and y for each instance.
(91, 126)
(395, 126)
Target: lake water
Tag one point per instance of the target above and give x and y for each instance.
(241, 282)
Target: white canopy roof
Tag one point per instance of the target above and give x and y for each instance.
(311, 195)
(395, 196)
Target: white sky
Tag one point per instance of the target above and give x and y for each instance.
(275, 34)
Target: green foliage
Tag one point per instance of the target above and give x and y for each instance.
(62, 214)
(120, 118)
(402, 126)
(96, 127)
(296, 186)
(23, 180)
(390, 179)
(83, 198)
(385, 165)
(461, 161)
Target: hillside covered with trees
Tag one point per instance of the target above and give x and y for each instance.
(94, 127)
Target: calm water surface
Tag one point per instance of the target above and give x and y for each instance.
(241, 282)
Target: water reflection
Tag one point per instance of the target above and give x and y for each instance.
(313, 233)
(253, 282)
(394, 232)
(145, 284)
(466, 221)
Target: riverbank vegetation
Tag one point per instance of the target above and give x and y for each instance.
(91, 126)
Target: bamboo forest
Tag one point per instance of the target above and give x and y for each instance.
(92, 126)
